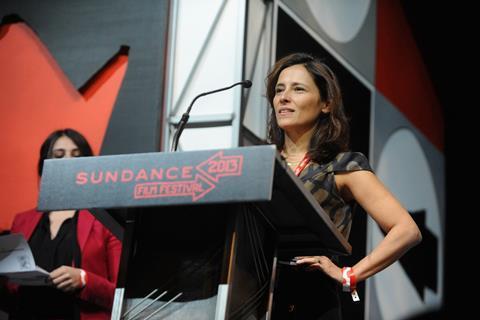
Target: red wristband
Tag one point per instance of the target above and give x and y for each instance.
(353, 280)
(349, 282)
(83, 277)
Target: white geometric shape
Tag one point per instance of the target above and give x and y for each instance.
(207, 54)
(404, 169)
(218, 66)
(257, 107)
(340, 19)
(206, 138)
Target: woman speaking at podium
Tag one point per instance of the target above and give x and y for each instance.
(81, 255)
(309, 127)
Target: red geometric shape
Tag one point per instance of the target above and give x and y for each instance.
(37, 98)
(401, 75)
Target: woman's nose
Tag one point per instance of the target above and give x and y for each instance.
(285, 96)
(68, 154)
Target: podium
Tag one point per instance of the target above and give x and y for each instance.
(204, 230)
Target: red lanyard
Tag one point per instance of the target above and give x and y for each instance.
(305, 161)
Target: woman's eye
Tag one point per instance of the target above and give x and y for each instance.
(299, 89)
(76, 153)
(58, 154)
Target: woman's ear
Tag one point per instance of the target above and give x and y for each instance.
(325, 107)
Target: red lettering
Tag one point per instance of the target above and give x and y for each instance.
(170, 175)
(163, 188)
(212, 167)
(187, 172)
(141, 175)
(81, 178)
(98, 179)
(223, 166)
(233, 165)
(111, 176)
(127, 175)
(156, 174)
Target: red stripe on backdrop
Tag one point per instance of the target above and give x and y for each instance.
(402, 77)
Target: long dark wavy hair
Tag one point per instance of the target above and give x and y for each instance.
(331, 133)
(47, 146)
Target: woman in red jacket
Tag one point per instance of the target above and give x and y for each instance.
(81, 255)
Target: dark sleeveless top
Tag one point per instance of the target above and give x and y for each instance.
(320, 181)
(300, 294)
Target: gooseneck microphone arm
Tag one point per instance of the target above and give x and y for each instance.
(183, 121)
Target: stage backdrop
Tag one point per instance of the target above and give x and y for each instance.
(97, 67)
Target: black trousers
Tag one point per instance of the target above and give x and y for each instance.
(306, 295)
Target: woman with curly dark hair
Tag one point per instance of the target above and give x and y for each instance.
(310, 129)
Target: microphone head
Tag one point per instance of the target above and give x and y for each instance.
(247, 84)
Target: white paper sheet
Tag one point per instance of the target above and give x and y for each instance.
(17, 262)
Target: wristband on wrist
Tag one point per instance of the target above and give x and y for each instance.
(349, 283)
(83, 277)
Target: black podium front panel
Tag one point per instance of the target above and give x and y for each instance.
(158, 179)
(241, 175)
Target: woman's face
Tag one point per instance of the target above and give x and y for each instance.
(64, 147)
(297, 100)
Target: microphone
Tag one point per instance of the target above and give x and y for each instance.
(183, 121)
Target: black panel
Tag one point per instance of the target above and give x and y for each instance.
(83, 35)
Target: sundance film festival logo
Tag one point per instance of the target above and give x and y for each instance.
(182, 181)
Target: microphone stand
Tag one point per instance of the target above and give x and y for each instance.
(183, 121)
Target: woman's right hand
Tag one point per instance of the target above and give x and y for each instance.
(321, 263)
(67, 279)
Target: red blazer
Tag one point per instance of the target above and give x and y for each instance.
(100, 251)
